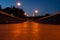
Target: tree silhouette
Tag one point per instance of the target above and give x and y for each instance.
(0, 7)
(15, 11)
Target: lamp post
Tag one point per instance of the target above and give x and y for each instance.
(25, 13)
(18, 4)
(33, 15)
(36, 12)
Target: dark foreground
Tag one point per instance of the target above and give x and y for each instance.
(29, 31)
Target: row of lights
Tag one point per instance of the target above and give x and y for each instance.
(35, 11)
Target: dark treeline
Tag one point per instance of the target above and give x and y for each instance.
(18, 12)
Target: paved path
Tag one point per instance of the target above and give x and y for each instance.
(29, 31)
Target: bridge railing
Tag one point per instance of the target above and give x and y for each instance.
(9, 18)
(50, 15)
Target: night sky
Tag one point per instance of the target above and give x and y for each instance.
(44, 6)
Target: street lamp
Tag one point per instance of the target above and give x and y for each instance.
(36, 12)
(25, 14)
(18, 4)
(33, 15)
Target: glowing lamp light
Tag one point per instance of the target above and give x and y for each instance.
(33, 15)
(25, 13)
(18, 4)
(36, 11)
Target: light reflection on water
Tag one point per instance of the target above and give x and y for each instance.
(29, 31)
